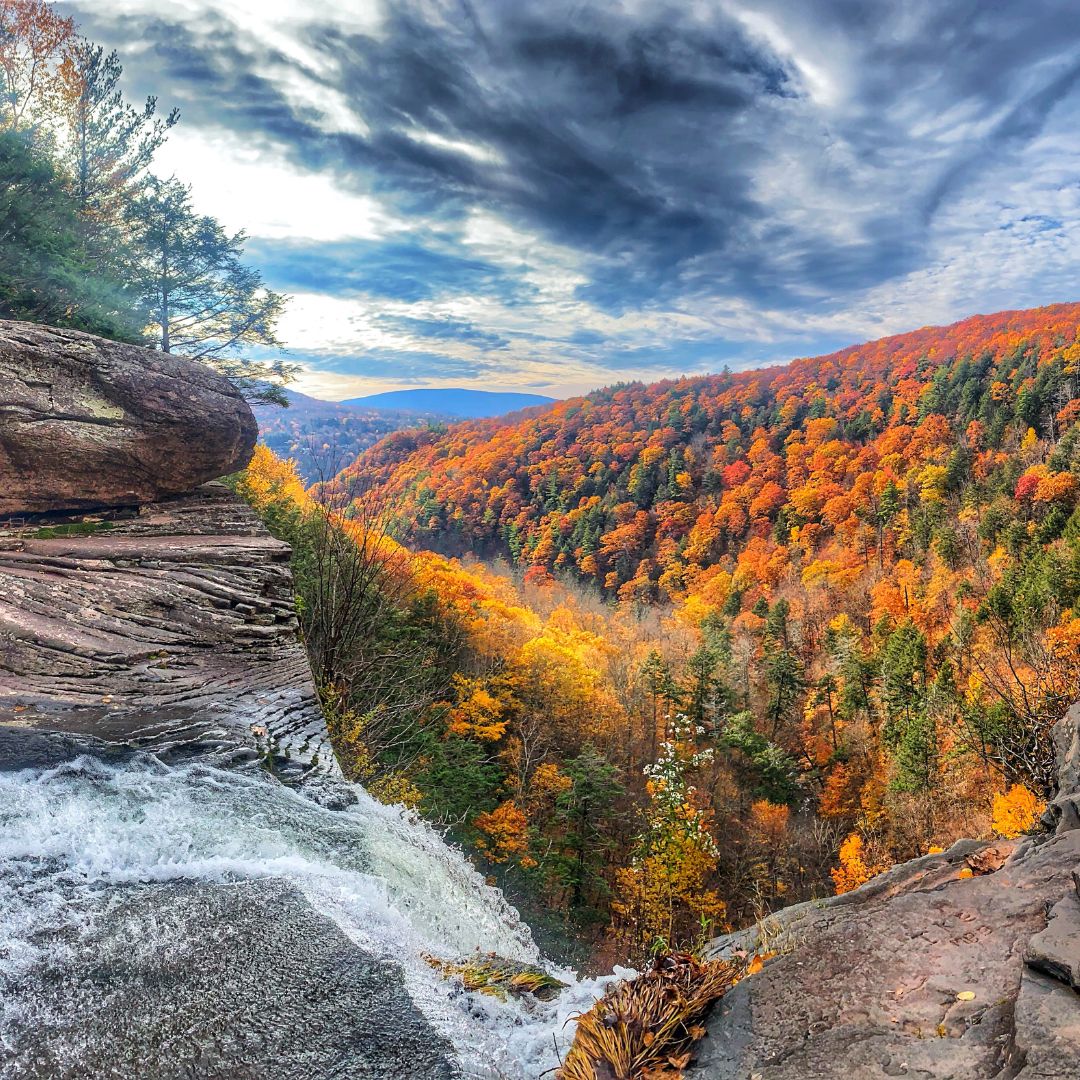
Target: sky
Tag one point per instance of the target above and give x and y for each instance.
(552, 196)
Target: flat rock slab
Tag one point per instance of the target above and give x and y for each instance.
(174, 631)
(243, 981)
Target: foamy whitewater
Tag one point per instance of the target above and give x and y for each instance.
(78, 839)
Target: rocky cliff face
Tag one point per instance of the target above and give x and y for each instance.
(153, 913)
(173, 631)
(964, 965)
(87, 423)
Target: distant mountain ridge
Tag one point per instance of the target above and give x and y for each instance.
(308, 406)
(451, 401)
(324, 436)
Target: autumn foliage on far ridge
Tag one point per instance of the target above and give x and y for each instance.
(915, 496)
(757, 636)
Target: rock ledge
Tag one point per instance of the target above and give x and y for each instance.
(174, 631)
(88, 423)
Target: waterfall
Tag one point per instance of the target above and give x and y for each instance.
(108, 866)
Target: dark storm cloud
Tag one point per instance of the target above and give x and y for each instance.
(215, 74)
(785, 155)
(598, 129)
(597, 125)
(444, 330)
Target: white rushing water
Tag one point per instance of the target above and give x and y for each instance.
(73, 836)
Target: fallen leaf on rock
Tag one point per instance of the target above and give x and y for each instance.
(991, 858)
(966, 995)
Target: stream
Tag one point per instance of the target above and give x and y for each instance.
(180, 920)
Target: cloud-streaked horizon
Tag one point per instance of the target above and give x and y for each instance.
(561, 195)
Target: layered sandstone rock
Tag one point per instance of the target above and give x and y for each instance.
(173, 631)
(87, 423)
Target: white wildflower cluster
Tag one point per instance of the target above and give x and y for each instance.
(671, 793)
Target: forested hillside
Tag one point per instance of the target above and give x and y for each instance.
(765, 633)
(639, 487)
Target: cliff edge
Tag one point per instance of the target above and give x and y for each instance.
(963, 965)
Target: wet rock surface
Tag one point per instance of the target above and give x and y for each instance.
(876, 983)
(222, 982)
(88, 423)
(171, 637)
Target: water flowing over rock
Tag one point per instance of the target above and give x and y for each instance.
(188, 886)
(941, 967)
(88, 423)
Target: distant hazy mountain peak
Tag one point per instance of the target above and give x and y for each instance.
(451, 401)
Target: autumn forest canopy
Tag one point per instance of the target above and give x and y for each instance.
(742, 639)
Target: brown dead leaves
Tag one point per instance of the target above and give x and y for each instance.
(645, 1029)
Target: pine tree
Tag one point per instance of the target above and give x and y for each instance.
(202, 300)
(108, 143)
(783, 669)
(45, 273)
(586, 812)
(660, 684)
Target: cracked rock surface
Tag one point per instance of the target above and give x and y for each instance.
(869, 984)
(234, 981)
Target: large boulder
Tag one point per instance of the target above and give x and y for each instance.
(87, 423)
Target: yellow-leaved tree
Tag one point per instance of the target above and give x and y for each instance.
(1016, 811)
(857, 865)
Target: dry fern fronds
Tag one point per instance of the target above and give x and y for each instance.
(645, 1029)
